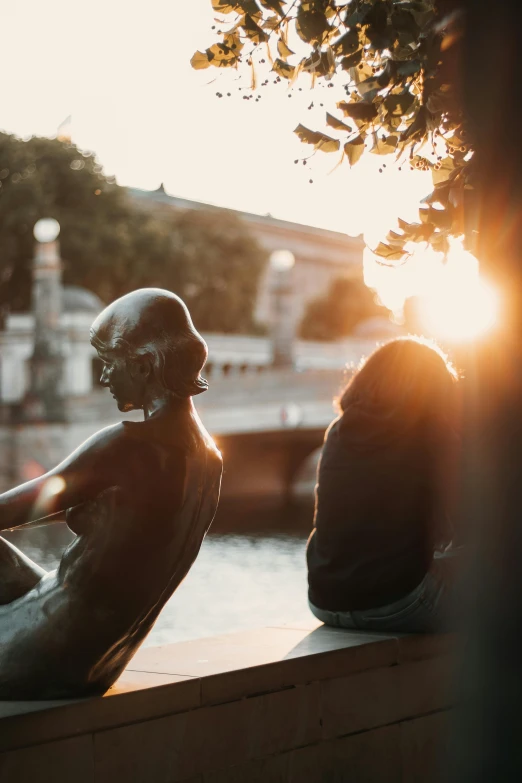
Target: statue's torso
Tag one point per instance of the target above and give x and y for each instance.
(135, 543)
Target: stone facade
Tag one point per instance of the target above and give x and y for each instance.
(320, 255)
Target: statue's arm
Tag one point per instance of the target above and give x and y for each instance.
(90, 469)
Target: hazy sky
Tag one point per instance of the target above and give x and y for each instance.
(121, 68)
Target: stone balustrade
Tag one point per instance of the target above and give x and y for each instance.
(292, 705)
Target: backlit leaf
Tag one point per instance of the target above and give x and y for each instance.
(283, 69)
(252, 30)
(354, 149)
(306, 135)
(327, 144)
(320, 140)
(333, 122)
(224, 6)
(365, 112)
(273, 5)
(399, 103)
(352, 60)
(368, 88)
(389, 253)
(442, 170)
(384, 146)
(408, 68)
(311, 25)
(283, 50)
(347, 43)
(220, 55)
(200, 60)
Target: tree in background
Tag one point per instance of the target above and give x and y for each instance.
(218, 264)
(337, 313)
(110, 245)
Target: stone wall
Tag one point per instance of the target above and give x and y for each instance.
(292, 705)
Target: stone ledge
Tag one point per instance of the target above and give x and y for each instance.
(242, 701)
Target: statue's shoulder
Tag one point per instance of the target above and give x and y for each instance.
(105, 442)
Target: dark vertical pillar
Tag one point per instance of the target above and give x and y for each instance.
(283, 305)
(486, 737)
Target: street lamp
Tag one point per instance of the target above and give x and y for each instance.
(44, 400)
(46, 230)
(283, 322)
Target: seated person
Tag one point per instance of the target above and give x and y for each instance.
(379, 556)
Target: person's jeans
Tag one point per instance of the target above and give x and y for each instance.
(430, 607)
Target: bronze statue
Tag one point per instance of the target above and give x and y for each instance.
(140, 497)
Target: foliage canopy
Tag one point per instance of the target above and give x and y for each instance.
(111, 245)
(390, 62)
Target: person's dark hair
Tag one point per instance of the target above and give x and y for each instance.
(156, 323)
(409, 377)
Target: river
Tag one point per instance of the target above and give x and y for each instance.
(250, 572)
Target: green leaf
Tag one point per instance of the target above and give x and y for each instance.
(283, 69)
(404, 22)
(352, 60)
(354, 149)
(224, 7)
(417, 128)
(384, 146)
(200, 60)
(283, 49)
(319, 63)
(416, 232)
(363, 111)
(272, 23)
(252, 30)
(441, 218)
(327, 144)
(389, 253)
(221, 55)
(368, 87)
(250, 7)
(399, 104)
(347, 43)
(439, 242)
(408, 68)
(320, 140)
(306, 135)
(311, 25)
(333, 122)
(273, 5)
(355, 17)
(424, 214)
(393, 238)
(234, 42)
(442, 170)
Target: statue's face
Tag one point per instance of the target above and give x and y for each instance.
(123, 379)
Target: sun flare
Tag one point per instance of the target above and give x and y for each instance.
(453, 303)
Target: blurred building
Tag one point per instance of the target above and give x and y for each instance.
(229, 354)
(79, 308)
(320, 255)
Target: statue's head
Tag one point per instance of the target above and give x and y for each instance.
(146, 340)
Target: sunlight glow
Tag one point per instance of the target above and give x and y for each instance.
(51, 488)
(453, 302)
(462, 306)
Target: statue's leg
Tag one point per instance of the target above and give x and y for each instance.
(18, 574)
